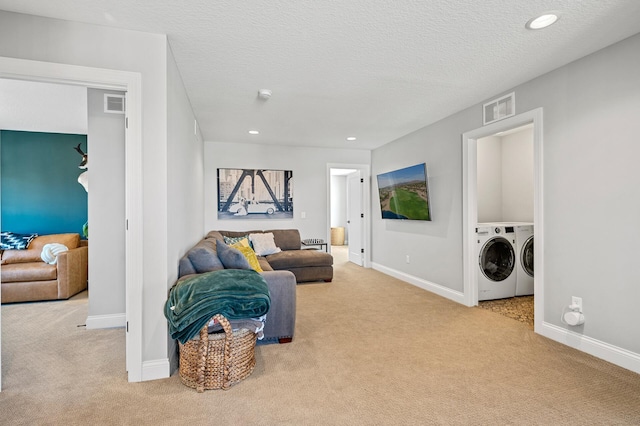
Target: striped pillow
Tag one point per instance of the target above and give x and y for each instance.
(232, 240)
(11, 241)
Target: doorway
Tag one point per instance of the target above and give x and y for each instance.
(348, 212)
(470, 205)
(129, 82)
(505, 199)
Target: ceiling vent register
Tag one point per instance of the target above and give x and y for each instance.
(500, 108)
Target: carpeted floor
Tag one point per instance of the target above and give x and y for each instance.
(368, 350)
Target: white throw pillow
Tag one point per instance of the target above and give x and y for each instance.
(263, 244)
(50, 252)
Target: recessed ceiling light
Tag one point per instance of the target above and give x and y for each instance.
(542, 21)
(351, 138)
(254, 132)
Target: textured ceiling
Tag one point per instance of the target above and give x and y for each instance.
(374, 69)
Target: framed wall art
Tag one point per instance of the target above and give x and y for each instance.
(255, 194)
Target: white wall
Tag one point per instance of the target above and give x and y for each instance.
(490, 179)
(50, 40)
(434, 247)
(185, 181)
(591, 109)
(505, 177)
(42, 107)
(310, 182)
(106, 199)
(517, 176)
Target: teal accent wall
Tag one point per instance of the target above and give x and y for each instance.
(39, 189)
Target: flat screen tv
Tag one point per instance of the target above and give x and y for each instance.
(404, 193)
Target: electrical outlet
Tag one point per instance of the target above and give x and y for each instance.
(577, 301)
(408, 260)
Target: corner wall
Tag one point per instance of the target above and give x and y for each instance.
(590, 153)
(185, 180)
(310, 182)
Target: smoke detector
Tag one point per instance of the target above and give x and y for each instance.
(264, 94)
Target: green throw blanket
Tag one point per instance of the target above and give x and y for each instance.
(234, 293)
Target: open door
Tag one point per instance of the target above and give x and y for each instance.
(355, 218)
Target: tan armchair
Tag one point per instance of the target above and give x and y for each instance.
(25, 277)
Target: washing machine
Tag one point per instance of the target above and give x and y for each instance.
(524, 254)
(497, 261)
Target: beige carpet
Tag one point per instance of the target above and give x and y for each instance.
(368, 350)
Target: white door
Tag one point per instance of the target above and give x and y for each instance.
(355, 218)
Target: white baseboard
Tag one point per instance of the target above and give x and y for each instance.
(613, 354)
(156, 369)
(438, 289)
(106, 321)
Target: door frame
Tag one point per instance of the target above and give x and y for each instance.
(356, 174)
(365, 174)
(470, 205)
(130, 82)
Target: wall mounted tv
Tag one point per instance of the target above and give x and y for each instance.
(404, 193)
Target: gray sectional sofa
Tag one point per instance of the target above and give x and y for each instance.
(281, 271)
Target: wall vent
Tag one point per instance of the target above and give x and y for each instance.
(500, 108)
(114, 104)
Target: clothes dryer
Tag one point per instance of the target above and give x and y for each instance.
(524, 254)
(496, 261)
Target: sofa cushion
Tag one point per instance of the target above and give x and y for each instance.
(204, 259)
(203, 255)
(264, 265)
(32, 254)
(231, 258)
(264, 244)
(214, 235)
(233, 234)
(16, 272)
(286, 239)
(298, 259)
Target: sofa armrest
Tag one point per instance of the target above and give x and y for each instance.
(281, 319)
(73, 271)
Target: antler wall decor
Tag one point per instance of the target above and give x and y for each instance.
(83, 179)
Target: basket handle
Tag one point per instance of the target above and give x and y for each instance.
(204, 351)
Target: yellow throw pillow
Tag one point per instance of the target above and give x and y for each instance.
(250, 255)
(241, 243)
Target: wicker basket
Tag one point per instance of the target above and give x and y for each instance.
(217, 361)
